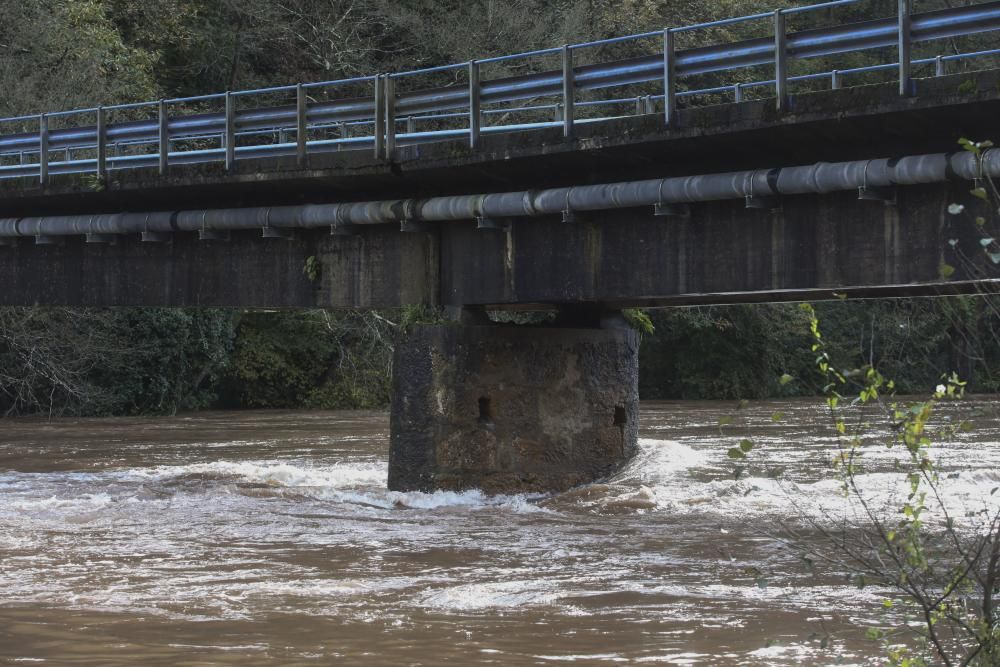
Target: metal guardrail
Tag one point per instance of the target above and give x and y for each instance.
(373, 121)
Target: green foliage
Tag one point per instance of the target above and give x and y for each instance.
(720, 352)
(945, 575)
(170, 359)
(640, 321)
(93, 182)
(281, 360)
(61, 54)
(313, 269)
(415, 314)
(968, 87)
(523, 317)
(757, 351)
(121, 361)
(740, 452)
(312, 359)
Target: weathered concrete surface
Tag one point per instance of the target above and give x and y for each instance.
(809, 248)
(512, 409)
(379, 269)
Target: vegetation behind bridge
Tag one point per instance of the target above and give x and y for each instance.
(157, 360)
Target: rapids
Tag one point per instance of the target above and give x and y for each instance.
(269, 538)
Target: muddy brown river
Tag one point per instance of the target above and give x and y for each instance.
(269, 539)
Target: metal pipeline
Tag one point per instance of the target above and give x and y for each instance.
(817, 178)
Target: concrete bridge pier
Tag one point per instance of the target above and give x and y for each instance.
(513, 409)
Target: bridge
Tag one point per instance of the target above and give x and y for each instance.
(605, 177)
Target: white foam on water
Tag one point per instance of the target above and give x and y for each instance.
(86, 502)
(965, 494)
(800, 654)
(277, 474)
(518, 504)
(590, 657)
(636, 488)
(353, 483)
(672, 477)
(660, 461)
(686, 658)
(819, 597)
(489, 595)
(325, 589)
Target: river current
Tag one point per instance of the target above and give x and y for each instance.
(268, 538)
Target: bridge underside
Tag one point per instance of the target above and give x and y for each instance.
(809, 247)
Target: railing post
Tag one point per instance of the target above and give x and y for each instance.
(780, 61)
(475, 105)
(836, 80)
(905, 84)
(569, 90)
(301, 125)
(43, 149)
(102, 144)
(230, 131)
(379, 130)
(390, 117)
(738, 93)
(669, 79)
(164, 137)
(939, 66)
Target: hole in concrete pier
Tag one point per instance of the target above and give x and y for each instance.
(620, 415)
(485, 411)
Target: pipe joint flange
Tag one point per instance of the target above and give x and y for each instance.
(759, 202)
(866, 192)
(269, 232)
(485, 222)
(528, 202)
(568, 214)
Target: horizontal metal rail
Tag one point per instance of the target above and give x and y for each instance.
(280, 148)
(177, 135)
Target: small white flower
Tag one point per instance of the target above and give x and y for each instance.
(955, 209)
(940, 389)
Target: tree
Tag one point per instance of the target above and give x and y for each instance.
(317, 359)
(942, 561)
(65, 54)
(105, 361)
(946, 565)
